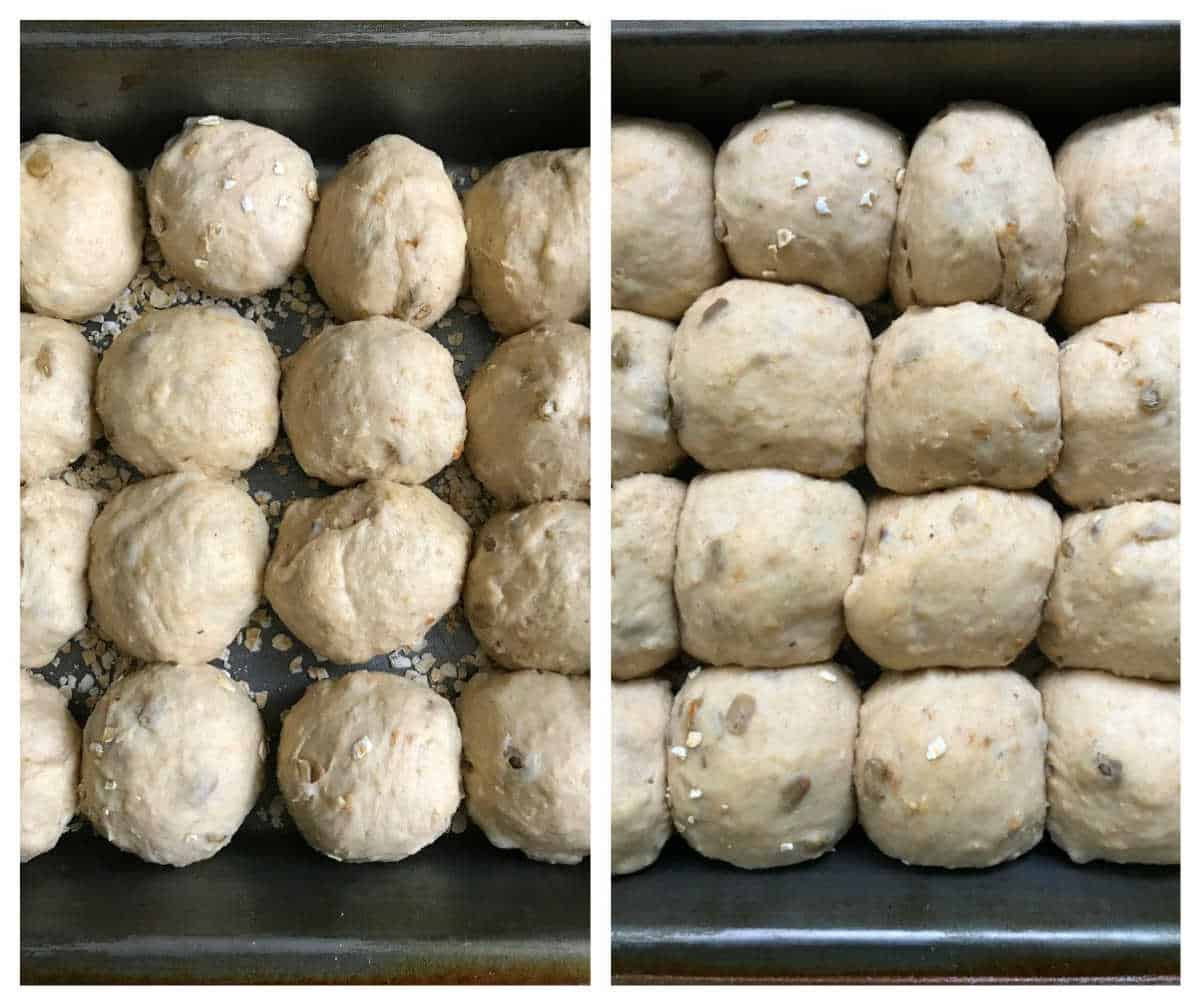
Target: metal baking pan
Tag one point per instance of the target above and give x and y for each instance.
(267, 908)
(856, 915)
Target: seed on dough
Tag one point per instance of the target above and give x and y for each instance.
(936, 749)
(277, 167)
(780, 105)
(822, 206)
(868, 198)
(229, 183)
(862, 158)
(679, 752)
(694, 739)
(695, 793)
(784, 237)
(828, 675)
(786, 846)
(209, 120)
(362, 747)
(900, 179)
(247, 204)
(801, 180)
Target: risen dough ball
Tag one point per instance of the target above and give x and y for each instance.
(368, 765)
(56, 520)
(529, 417)
(643, 438)
(641, 821)
(664, 251)
(82, 224)
(1121, 177)
(764, 375)
(1112, 766)
(49, 766)
(190, 389)
(527, 762)
(963, 395)
(389, 237)
(527, 590)
(172, 762)
(807, 194)
(1120, 403)
(645, 624)
(58, 368)
(176, 567)
(231, 204)
(367, 570)
(954, 578)
(950, 767)
(1114, 598)
(764, 557)
(760, 763)
(373, 399)
(981, 215)
(528, 238)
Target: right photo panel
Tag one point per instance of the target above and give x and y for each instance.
(896, 502)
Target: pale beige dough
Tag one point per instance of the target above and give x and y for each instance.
(641, 821)
(643, 438)
(49, 766)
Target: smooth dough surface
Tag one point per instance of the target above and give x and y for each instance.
(49, 766)
(643, 437)
(641, 821)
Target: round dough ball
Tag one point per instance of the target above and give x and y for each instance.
(529, 417)
(176, 567)
(368, 764)
(528, 238)
(367, 570)
(56, 520)
(765, 375)
(763, 559)
(231, 204)
(1120, 404)
(807, 194)
(760, 763)
(389, 237)
(1121, 178)
(190, 389)
(373, 399)
(641, 821)
(1114, 599)
(1112, 766)
(645, 623)
(527, 594)
(643, 438)
(527, 762)
(963, 395)
(954, 578)
(950, 767)
(173, 761)
(82, 225)
(982, 216)
(49, 766)
(664, 250)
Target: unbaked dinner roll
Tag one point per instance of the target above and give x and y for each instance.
(950, 766)
(641, 822)
(49, 765)
(82, 224)
(643, 437)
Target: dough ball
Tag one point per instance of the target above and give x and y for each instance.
(1114, 599)
(950, 767)
(529, 417)
(528, 238)
(763, 560)
(527, 762)
(664, 250)
(190, 389)
(82, 224)
(645, 623)
(231, 204)
(173, 761)
(58, 369)
(49, 766)
(960, 396)
(981, 215)
(368, 765)
(643, 438)
(527, 594)
(954, 578)
(641, 821)
(373, 399)
(1112, 766)
(389, 237)
(1121, 177)
(176, 567)
(367, 570)
(760, 763)
(807, 194)
(1120, 403)
(765, 375)
(56, 520)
